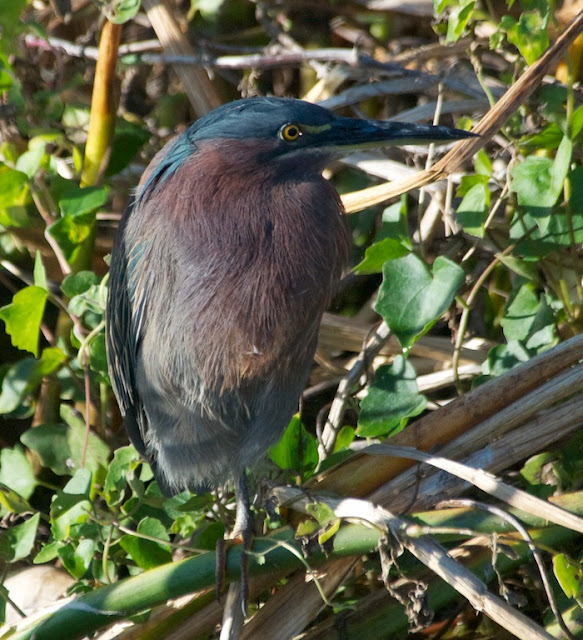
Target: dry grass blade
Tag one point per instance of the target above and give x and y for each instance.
(360, 477)
(488, 483)
(408, 492)
(295, 605)
(200, 90)
(554, 390)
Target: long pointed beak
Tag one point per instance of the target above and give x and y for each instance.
(352, 134)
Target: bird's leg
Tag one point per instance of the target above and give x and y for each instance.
(243, 528)
(235, 610)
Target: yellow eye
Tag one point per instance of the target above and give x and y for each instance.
(290, 132)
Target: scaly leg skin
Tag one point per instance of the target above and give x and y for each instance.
(235, 610)
(243, 528)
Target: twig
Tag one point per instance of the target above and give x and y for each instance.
(82, 51)
(337, 410)
(429, 553)
(467, 307)
(276, 57)
(233, 615)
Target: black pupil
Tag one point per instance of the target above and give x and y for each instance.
(292, 132)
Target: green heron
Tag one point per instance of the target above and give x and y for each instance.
(220, 272)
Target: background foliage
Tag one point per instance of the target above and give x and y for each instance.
(488, 266)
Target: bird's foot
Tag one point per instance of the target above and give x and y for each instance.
(245, 539)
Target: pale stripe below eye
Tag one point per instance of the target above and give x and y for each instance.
(316, 129)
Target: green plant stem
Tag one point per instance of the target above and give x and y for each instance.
(463, 325)
(103, 606)
(567, 186)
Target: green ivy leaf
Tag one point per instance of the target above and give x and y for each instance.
(344, 438)
(51, 443)
(71, 232)
(297, 449)
(327, 521)
(60, 447)
(329, 532)
(18, 382)
(532, 471)
(77, 558)
(529, 319)
(395, 223)
(412, 299)
(538, 183)
(49, 552)
(14, 193)
(549, 138)
(125, 461)
(77, 283)
(89, 301)
(473, 210)
(561, 166)
(66, 511)
(25, 375)
(306, 528)
(11, 502)
(483, 164)
(569, 576)
(321, 512)
(10, 17)
(120, 11)
(207, 535)
(17, 542)
(377, 254)
(77, 201)
(521, 267)
(531, 181)
(40, 273)
(441, 5)
(577, 122)
(148, 554)
(558, 233)
(16, 471)
(391, 400)
(128, 140)
(98, 355)
(458, 21)
(31, 161)
(504, 357)
(72, 505)
(529, 35)
(23, 317)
